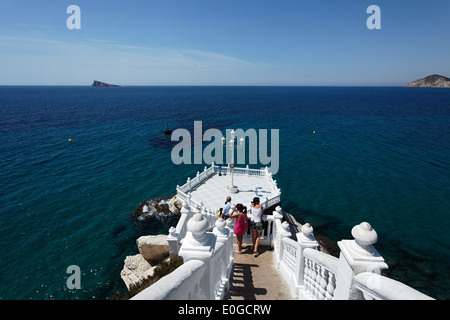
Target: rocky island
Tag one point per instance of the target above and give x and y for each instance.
(103, 84)
(433, 81)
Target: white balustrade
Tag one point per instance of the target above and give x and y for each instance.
(319, 274)
(191, 184)
(207, 256)
(311, 274)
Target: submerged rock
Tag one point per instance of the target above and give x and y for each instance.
(155, 207)
(118, 230)
(328, 246)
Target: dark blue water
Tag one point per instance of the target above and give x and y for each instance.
(379, 155)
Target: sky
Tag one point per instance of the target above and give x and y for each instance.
(228, 42)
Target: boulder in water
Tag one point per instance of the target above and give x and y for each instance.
(175, 205)
(136, 269)
(154, 248)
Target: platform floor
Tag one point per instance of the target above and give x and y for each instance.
(213, 191)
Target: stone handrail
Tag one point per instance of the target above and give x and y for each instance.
(181, 284)
(242, 171)
(377, 287)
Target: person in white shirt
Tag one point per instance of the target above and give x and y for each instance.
(256, 225)
(226, 209)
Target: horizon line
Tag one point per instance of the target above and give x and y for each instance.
(193, 85)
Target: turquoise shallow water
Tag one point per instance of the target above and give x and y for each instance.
(379, 155)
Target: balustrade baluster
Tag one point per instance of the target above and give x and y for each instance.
(317, 268)
(330, 286)
(308, 275)
(323, 283)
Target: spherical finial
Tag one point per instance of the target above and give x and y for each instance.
(285, 229)
(277, 214)
(307, 229)
(364, 234)
(220, 223)
(197, 224)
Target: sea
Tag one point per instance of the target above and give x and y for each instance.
(346, 155)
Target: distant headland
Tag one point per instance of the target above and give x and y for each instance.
(433, 81)
(103, 84)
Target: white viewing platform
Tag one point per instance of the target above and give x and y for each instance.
(208, 189)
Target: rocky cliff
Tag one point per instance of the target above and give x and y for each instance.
(433, 81)
(103, 84)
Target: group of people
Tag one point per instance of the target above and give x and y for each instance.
(239, 212)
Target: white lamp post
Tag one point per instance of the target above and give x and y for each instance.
(232, 188)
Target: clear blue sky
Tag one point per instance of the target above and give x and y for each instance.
(227, 42)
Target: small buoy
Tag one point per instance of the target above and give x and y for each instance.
(70, 140)
(167, 131)
(314, 132)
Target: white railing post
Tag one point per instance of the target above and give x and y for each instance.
(173, 240)
(285, 233)
(358, 255)
(204, 212)
(199, 245)
(188, 181)
(276, 216)
(305, 239)
(270, 222)
(180, 230)
(282, 231)
(276, 229)
(224, 235)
